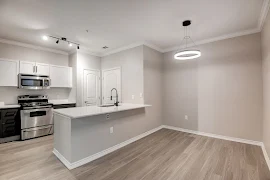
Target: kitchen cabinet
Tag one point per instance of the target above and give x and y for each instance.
(34, 68)
(27, 67)
(9, 70)
(42, 69)
(61, 76)
(9, 122)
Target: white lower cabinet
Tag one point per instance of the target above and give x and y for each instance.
(9, 70)
(61, 76)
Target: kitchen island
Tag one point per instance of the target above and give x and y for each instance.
(83, 134)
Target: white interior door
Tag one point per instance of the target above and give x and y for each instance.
(91, 87)
(111, 79)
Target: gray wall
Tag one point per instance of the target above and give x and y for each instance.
(265, 38)
(72, 59)
(153, 83)
(9, 94)
(131, 63)
(127, 124)
(221, 92)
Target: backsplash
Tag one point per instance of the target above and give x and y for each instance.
(9, 95)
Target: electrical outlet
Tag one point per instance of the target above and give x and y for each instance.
(107, 116)
(111, 130)
(186, 117)
(133, 96)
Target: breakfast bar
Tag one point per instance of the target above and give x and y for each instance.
(83, 134)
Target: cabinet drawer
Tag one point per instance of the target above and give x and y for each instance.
(8, 130)
(8, 114)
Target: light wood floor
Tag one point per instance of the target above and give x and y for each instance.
(166, 154)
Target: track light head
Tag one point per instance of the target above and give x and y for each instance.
(57, 41)
(45, 38)
(78, 47)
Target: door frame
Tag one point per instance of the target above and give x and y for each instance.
(102, 88)
(99, 72)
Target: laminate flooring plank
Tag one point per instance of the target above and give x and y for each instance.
(163, 155)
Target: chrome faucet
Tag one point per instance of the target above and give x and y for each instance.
(116, 102)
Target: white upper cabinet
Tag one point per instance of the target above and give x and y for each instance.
(61, 76)
(9, 70)
(34, 68)
(27, 67)
(42, 69)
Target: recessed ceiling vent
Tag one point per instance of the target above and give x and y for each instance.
(105, 47)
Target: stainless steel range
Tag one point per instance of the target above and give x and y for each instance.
(36, 116)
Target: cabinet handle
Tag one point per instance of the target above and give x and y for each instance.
(36, 69)
(33, 69)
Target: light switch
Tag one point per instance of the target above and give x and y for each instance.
(111, 130)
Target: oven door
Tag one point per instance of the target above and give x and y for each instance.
(36, 117)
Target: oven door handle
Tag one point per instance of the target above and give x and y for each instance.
(36, 110)
(38, 128)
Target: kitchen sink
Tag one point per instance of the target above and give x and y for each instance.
(106, 105)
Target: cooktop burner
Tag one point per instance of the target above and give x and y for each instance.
(32, 101)
(31, 104)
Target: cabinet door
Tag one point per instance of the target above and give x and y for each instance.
(27, 67)
(9, 70)
(61, 76)
(42, 69)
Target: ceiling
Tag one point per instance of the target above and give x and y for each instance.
(120, 23)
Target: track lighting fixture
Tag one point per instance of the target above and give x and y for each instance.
(70, 43)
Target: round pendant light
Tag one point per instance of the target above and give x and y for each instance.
(188, 52)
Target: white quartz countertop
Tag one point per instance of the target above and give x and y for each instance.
(61, 101)
(3, 106)
(79, 112)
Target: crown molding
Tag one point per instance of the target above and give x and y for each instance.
(210, 40)
(261, 21)
(153, 47)
(264, 12)
(16, 43)
(88, 52)
(122, 49)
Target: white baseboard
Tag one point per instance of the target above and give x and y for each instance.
(102, 153)
(266, 157)
(62, 159)
(125, 143)
(257, 143)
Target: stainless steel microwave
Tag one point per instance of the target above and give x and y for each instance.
(30, 81)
